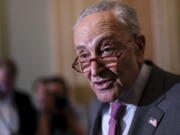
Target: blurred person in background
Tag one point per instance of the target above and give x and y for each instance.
(17, 115)
(56, 114)
(134, 96)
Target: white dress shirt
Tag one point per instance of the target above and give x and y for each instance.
(132, 97)
(8, 117)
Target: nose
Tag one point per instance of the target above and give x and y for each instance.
(96, 67)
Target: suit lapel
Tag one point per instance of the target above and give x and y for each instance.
(150, 111)
(146, 121)
(18, 103)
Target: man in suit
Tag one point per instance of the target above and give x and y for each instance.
(135, 97)
(17, 115)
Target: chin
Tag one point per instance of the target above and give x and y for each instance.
(106, 99)
(106, 96)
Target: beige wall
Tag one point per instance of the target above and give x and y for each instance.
(1, 26)
(3, 30)
(166, 35)
(29, 39)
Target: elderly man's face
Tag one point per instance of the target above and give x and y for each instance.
(98, 35)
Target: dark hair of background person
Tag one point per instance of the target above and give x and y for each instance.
(52, 79)
(60, 80)
(9, 65)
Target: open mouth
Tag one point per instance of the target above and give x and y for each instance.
(104, 85)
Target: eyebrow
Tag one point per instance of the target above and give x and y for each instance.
(106, 37)
(80, 47)
(98, 41)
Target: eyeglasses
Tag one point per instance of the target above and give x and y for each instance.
(83, 66)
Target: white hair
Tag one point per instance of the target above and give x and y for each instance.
(124, 14)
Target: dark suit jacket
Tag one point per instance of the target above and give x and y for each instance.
(26, 114)
(160, 104)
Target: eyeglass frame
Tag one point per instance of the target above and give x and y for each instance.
(117, 55)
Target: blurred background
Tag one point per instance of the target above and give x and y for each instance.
(37, 34)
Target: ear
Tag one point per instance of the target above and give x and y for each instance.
(140, 42)
(140, 47)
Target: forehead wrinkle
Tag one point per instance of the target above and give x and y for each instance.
(101, 38)
(95, 23)
(79, 47)
(92, 27)
(109, 20)
(96, 42)
(106, 21)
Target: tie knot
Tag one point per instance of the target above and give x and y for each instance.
(115, 109)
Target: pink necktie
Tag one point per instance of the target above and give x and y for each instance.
(113, 122)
